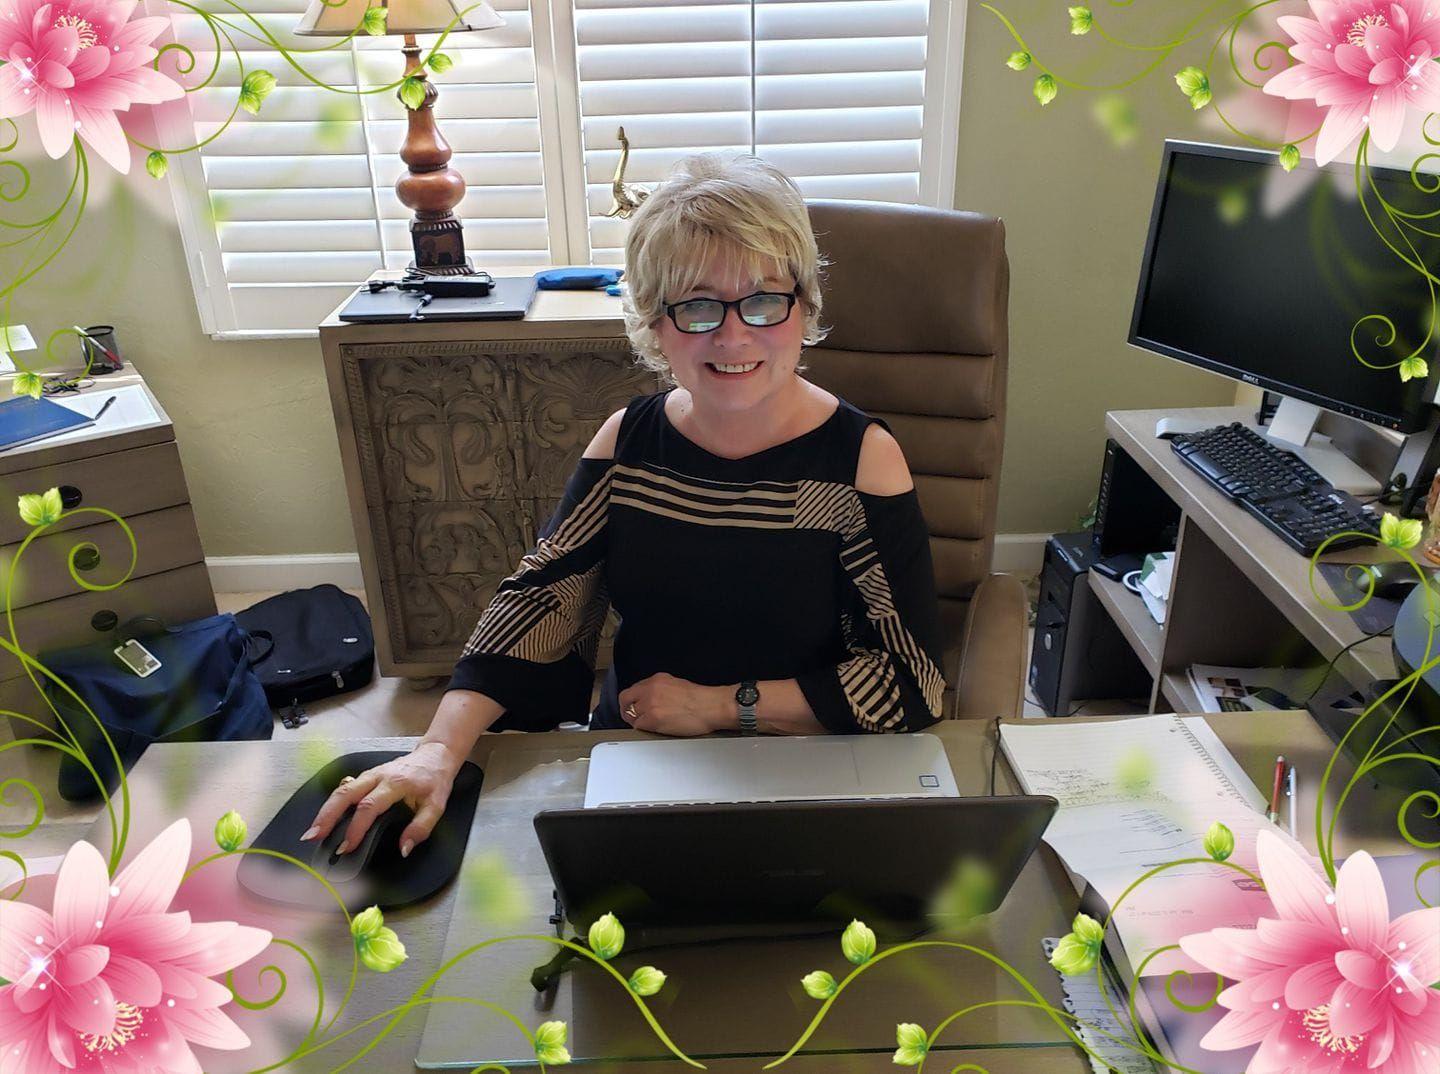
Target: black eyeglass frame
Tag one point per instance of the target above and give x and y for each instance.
(791, 297)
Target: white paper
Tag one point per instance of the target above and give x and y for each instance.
(1230, 689)
(1098, 1025)
(1138, 794)
(16, 337)
(1085, 763)
(131, 410)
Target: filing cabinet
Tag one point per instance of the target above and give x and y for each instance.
(130, 467)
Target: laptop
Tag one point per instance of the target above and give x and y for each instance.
(676, 873)
(769, 769)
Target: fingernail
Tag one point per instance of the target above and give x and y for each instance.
(406, 847)
(311, 833)
(344, 848)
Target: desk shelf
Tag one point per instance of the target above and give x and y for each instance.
(1145, 635)
(1177, 691)
(1238, 596)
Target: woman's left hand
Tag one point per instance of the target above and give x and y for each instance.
(666, 705)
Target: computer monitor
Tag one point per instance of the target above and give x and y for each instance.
(1263, 276)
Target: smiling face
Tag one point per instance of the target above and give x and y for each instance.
(767, 355)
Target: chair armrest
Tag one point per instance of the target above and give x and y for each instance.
(991, 679)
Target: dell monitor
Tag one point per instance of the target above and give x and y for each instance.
(1267, 276)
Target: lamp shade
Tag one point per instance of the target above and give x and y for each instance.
(323, 19)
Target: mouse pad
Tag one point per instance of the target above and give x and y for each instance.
(1378, 613)
(388, 880)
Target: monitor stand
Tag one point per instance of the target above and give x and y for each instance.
(1293, 429)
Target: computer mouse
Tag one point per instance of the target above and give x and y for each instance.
(1393, 581)
(338, 868)
(374, 873)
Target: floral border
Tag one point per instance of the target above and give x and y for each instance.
(377, 948)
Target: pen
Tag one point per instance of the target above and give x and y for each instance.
(1290, 793)
(96, 343)
(104, 407)
(1273, 815)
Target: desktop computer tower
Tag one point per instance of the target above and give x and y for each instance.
(1079, 652)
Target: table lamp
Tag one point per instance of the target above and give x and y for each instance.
(429, 187)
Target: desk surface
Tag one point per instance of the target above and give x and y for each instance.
(703, 1005)
(601, 313)
(1279, 573)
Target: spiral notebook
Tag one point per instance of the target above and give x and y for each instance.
(1110, 1043)
(24, 420)
(1139, 793)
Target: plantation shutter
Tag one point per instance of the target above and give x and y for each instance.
(832, 92)
(301, 198)
(285, 212)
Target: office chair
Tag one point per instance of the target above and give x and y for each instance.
(918, 303)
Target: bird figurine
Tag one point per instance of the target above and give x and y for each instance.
(625, 199)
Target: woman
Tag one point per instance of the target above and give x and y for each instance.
(760, 538)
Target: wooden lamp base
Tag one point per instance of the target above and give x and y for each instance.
(430, 187)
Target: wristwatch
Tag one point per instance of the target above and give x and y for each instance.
(747, 697)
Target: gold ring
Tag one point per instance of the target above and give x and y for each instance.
(630, 711)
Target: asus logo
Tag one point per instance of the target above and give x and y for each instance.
(1249, 378)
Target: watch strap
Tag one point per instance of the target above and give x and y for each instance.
(747, 697)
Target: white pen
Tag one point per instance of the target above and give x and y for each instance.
(1290, 793)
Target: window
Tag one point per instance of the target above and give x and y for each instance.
(285, 212)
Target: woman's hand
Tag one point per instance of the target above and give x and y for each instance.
(666, 705)
(421, 779)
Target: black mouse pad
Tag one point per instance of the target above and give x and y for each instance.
(388, 881)
(1379, 613)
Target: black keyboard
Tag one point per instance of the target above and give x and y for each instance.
(1276, 487)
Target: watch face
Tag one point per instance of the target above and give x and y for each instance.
(747, 694)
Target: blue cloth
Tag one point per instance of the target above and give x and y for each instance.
(205, 688)
(582, 278)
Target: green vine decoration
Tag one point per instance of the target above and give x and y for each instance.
(376, 947)
(1392, 224)
(46, 241)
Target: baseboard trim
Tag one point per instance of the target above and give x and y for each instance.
(268, 574)
(1019, 553)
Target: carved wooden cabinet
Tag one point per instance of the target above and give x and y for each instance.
(457, 440)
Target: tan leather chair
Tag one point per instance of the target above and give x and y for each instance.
(918, 303)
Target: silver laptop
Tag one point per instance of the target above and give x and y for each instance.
(769, 769)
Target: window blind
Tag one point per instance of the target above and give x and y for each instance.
(301, 198)
(285, 212)
(830, 91)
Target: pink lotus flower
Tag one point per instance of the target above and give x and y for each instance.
(77, 63)
(1331, 986)
(1368, 62)
(111, 982)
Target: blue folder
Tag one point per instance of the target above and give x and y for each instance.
(24, 420)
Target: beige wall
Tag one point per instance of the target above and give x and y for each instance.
(1076, 211)
(253, 419)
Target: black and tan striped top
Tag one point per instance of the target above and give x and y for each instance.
(772, 566)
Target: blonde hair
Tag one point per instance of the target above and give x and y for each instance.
(712, 204)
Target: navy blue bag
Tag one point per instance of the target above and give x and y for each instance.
(204, 689)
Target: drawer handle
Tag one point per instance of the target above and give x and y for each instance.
(70, 497)
(86, 558)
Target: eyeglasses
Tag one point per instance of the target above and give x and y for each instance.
(763, 309)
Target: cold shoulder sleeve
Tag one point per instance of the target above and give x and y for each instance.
(533, 650)
(891, 679)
